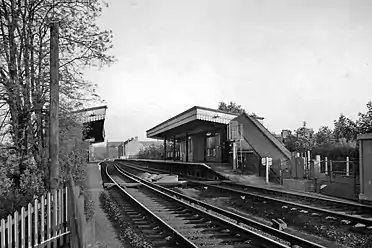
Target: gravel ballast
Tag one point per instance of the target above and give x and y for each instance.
(129, 236)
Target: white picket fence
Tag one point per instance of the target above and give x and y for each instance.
(328, 166)
(44, 223)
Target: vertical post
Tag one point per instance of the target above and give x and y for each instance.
(267, 169)
(361, 170)
(54, 105)
(326, 165)
(123, 149)
(317, 172)
(187, 148)
(174, 148)
(234, 155)
(318, 159)
(347, 167)
(241, 149)
(165, 148)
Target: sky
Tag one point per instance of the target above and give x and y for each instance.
(289, 61)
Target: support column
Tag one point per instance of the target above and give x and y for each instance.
(165, 148)
(187, 147)
(234, 155)
(174, 148)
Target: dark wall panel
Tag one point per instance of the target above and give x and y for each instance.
(94, 130)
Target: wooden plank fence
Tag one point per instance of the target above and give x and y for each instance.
(55, 220)
(43, 223)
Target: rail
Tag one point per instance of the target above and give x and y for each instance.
(240, 219)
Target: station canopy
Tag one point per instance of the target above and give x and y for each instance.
(194, 120)
(93, 121)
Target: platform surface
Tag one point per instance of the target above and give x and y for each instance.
(254, 180)
(100, 232)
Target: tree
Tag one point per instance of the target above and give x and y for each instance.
(156, 151)
(24, 74)
(231, 107)
(345, 128)
(290, 142)
(364, 122)
(324, 136)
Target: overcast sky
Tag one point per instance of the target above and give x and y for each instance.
(286, 60)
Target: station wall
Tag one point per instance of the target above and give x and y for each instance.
(204, 148)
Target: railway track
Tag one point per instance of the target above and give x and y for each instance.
(340, 213)
(336, 211)
(203, 228)
(189, 225)
(156, 231)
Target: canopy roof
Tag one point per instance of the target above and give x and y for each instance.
(93, 120)
(190, 119)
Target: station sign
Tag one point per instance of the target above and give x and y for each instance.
(269, 160)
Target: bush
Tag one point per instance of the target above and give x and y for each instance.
(337, 152)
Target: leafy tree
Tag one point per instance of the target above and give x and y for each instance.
(345, 129)
(156, 151)
(291, 143)
(24, 81)
(231, 107)
(364, 121)
(296, 143)
(324, 136)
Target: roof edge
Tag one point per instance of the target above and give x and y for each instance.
(90, 109)
(191, 109)
(172, 118)
(275, 144)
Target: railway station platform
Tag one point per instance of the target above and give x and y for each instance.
(208, 171)
(217, 141)
(205, 135)
(100, 231)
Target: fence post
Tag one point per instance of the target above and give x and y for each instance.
(308, 158)
(317, 172)
(347, 166)
(2, 228)
(330, 169)
(326, 165)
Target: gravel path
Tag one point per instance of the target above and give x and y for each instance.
(101, 232)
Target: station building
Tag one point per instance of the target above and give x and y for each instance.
(202, 134)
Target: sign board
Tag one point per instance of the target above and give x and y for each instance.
(270, 161)
(235, 131)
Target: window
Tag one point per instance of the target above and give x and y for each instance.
(212, 142)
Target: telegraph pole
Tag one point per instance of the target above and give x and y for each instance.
(54, 106)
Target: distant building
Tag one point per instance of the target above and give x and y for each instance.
(112, 149)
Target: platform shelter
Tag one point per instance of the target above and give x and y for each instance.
(93, 120)
(201, 133)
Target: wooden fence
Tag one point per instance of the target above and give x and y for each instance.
(55, 220)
